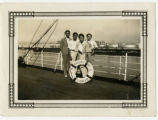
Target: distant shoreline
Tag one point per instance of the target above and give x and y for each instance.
(99, 51)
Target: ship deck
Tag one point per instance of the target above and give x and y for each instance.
(41, 84)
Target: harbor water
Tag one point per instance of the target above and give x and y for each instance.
(120, 67)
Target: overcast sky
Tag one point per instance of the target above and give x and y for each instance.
(108, 30)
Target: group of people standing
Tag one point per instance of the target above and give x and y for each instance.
(79, 47)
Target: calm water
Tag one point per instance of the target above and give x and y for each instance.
(104, 65)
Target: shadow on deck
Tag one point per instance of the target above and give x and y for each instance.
(42, 84)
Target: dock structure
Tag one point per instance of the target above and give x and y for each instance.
(43, 84)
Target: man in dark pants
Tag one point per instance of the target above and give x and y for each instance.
(64, 47)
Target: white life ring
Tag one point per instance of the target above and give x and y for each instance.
(81, 71)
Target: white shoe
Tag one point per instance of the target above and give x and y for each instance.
(65, 75)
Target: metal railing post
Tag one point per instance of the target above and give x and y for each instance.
(125, 75)
(61, 60)
(42, 58)
(120, 67)
(27, 59)
(58, 61)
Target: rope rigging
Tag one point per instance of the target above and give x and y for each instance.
(56, 21)
(40, 37)
(35, 33)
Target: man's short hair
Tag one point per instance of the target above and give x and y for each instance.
(89, 34)
(75, 33)
(67, 31)
(81, 35)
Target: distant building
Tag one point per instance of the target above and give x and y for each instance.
(101, 43)
(39, 45)
(55, 45)
(112, 45)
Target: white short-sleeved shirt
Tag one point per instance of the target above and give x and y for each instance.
(91, 45)
(73, 44)
(82, 46)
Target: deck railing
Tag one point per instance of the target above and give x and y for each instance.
(118, 67)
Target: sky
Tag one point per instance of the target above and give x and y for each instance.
(109, 30)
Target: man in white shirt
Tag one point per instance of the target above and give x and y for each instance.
(73, 46)
(82, 46)
(91, 46)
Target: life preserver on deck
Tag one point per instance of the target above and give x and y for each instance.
(81, 71)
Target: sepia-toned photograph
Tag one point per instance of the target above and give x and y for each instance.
(79, 59)
(85, 59)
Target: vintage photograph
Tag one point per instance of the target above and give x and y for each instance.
(79, 58)
(84, 59)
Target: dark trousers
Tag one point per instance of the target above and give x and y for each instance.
(66, 63)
